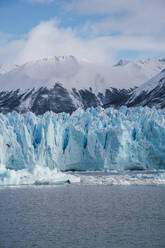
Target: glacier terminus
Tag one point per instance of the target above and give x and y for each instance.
(42, 149)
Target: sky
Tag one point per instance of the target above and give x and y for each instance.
(97, 31)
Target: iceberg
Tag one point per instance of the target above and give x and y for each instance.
(36, 149)
(38, 176)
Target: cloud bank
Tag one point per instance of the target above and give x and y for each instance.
(109, 28)
(48, 39)
(131, 17)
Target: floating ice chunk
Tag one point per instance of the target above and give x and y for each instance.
(38, 176)
(127, 178)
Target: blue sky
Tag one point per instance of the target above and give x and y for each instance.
(100, 31)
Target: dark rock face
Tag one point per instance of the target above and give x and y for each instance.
(116, 97)
(154, 97)
(58, 99)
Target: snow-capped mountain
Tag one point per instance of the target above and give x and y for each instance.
(72, 73)
(62, 84)
(151, 93)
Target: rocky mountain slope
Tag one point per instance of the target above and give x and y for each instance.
(62, 84)
(151, 93)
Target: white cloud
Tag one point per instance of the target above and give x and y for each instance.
(136, 25)
(10, 49)
(47, 39)
(100, 6)
(131, 17)
(113, 6)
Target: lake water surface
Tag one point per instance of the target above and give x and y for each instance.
(77, 216)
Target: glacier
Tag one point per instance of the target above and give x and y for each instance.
(41, 149)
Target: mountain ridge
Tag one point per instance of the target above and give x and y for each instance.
(151, 93)
(78, 74)
(63, 84)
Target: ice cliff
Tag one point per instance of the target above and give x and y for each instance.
(95, 139)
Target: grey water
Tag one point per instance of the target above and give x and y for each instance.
(82, 216)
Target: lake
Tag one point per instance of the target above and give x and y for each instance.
(82, 216)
